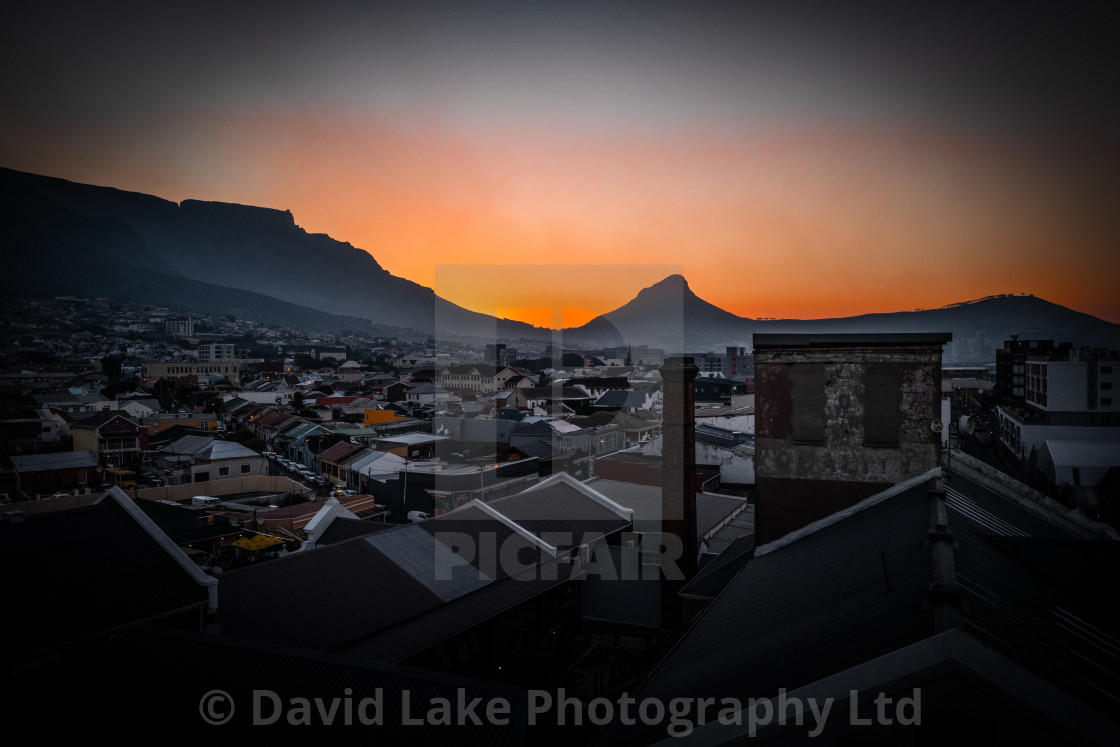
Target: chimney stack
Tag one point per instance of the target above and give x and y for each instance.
(678, 475)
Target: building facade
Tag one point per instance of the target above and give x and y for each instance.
(153, 371)
(218, 351)
(839, 418)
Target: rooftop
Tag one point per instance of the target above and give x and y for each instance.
(58, 460)
(764, 341)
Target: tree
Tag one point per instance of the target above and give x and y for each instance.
(111, 366)
(247, 438)
(164, 391)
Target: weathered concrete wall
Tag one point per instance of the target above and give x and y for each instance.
(219, 488)
(828, 433)
(735, 465)
(835, 425)
(743, 423)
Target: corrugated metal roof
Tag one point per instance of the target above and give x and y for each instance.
(320, 599)
(413, 438)
(339, 451)
(562, 511)
(343, 529)
(412, 636)
(817, 606)
(761, 341)
(187, 665)
(190, 445)
(84, 571)
(59, 460)
(429, 562)
(1084, 453)
(857, 588)
(228, 450)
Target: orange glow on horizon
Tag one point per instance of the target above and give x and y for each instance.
(785, 224)
(545, 317)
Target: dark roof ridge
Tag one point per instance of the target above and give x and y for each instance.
(816, 526)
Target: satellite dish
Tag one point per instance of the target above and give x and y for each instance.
(260, 520)
(967, 424)
(936, 426)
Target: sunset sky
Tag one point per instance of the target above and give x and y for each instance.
(801, 159)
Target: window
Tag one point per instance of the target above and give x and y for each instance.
(245, 469)
(201, 476)
(1106, 385)
(807, 397)
(223, 471)
(1106, 402)
(881, 416)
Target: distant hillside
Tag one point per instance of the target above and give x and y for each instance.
(666, 314)
(256, 263)
(259, 250)
(51, 251)
(669, 315)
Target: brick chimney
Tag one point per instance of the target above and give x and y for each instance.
(678, 476)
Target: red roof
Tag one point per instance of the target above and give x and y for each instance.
(335, 400)
(339, 451)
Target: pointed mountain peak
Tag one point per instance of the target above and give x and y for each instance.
(675, 284)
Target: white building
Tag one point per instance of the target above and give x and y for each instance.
(218, 351)
(1073, 385)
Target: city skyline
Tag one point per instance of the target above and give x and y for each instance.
(799, 165)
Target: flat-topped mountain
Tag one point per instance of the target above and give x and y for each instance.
(256, 263)
(239, 247)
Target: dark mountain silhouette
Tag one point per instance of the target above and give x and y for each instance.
(669, 315)
(262, 250)
(51, 251)
(62, 237)
(666, 314)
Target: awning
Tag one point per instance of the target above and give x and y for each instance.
(257, 542)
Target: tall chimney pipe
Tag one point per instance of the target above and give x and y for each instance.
(678, 474)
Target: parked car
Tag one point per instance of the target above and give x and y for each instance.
(418, 515)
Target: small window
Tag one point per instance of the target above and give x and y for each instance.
(245, 469)
(223, 471)
(882, 417)
(808, 399)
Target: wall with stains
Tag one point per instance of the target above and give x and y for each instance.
(835, 425)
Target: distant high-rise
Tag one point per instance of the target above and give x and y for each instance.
(738, 364)
(1011, 364)
(180, 327)
(217, 351)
